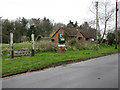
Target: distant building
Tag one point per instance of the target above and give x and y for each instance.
(81, 34)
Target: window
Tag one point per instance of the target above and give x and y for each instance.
(79, 38)
(87, 39)
(53, 40)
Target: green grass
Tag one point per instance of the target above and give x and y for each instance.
(40, 60)
(41, 46)
(18, 46)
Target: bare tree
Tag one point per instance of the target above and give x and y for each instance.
(104, 13)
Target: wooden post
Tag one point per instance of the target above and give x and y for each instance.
(11, 44)
(116, 27)
(32, 36)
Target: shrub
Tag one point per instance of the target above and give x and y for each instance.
(46, 48)
(75, 44)
(110, 38)
(72, 42)
(38, 38)
(27, 38)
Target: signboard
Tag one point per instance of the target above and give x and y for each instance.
(61, 39)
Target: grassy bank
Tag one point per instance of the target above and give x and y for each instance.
(40, 60)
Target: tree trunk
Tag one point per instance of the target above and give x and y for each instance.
(105, 24)
(104, 32)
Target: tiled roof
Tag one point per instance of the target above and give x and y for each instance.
(86, 32)
(71, 31)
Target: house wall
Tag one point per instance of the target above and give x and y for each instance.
(91, 39)
(80, 35)
(55, 37)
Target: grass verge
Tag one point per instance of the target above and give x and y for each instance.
(44, 60)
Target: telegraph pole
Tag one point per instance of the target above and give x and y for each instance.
(116, 27)
(97, 23)
(0, 30)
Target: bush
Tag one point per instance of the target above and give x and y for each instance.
(46, 48)
(27, 38)
(50, 49)
(38, 38)
(110, 38)
(75, 44)
(72, 42)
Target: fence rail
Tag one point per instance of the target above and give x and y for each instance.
(22, 53)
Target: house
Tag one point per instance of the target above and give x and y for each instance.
(55, 37)
(84, 33)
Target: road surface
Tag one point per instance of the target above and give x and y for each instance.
(95, 73)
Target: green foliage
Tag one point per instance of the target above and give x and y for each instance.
(38, 38)
(52, 33)
(110, 38)
(27, 38)
(66, 36)
(75, 45)
(45, 45)
(76, 24)
(72, 42)
(48, 49)
(23, 27)
(7, 27)
(118, 36)
(41, 46)
(71, 24)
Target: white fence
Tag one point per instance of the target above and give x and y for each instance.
(22, 53)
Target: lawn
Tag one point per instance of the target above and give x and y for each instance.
(10, 66)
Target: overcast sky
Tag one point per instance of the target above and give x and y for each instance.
(57, 10)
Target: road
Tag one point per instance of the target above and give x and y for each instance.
(95, 73)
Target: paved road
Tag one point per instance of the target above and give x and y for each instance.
(95, 73)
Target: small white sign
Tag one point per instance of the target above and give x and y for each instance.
(61, 45)
(62, 39)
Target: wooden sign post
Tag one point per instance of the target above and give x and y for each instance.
(33, 53)
(11, 45)
(61, 46)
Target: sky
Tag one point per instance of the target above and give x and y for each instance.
(56, 10)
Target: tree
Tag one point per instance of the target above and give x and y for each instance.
(111, 37)
(105, 12)
(57, 26)
(76, 24)
(17, 32)
(31, 30)
(7, 27)
(46, 27)
(119, 35)
(70, 24)
(24, 29)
